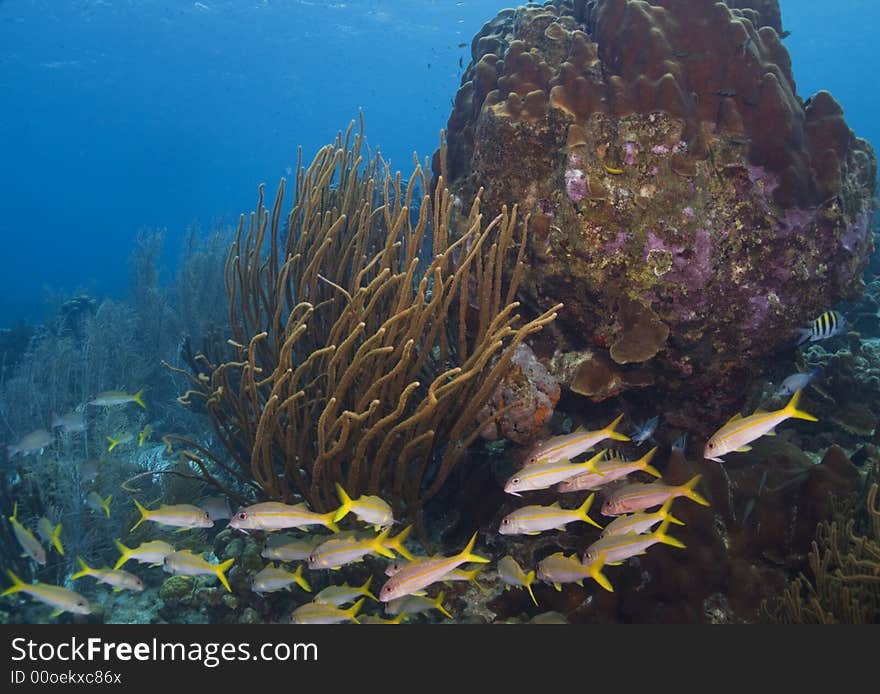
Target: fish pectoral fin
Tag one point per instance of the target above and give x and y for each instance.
(153, 566)
(181, 530)
(613, 563)
(770, 433)
(580, 583)
(420, 593)
(56, 613)
(558, 586)
(117, 589)
(533, 532)
(743, 449)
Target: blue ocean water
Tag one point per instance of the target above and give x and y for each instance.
(130, 114)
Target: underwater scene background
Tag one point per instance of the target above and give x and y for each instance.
(604, 350)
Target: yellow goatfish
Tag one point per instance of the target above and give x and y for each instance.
(178, 515)
(111, 398)
(639, 497)
(614, 549)
(273, 515)
(30, 544)
(370, 509)
(62, 599)
(375, 619)
(414, 604)
(286, 548)
(144, 435)
(123, 438)
(184, 563)
(152, 553)
(416, 575)
(272, 578)
(322, 613)
(608, 470)
(558, 569)
(50, 534)
(96, 503)
(339, 595)
(512, 574)
(337, 552)
(120, 580)
(569, 446)
(532, 520)
(739, 431)
(546, 474)
(640, 522)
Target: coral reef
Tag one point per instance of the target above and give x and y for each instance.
(688, 208)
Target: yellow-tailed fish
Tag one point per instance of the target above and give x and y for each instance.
(608, 470)
(272, 578)
(35, 442)
(335, 552)
(322, 613)
(184, 563)
(469, 575)
(545, 475)
(614, 549)
(120, 580)
(144, 435)
(96, 503)
(569, 446)
(640, 522)
(286, 548)
(111, 398)
(559, 568)
(340, 595)
(370, 509)
(60, 599)
(177, 515)
(152, 553)
(640, 497)
(119, 440)
(739, 431)
(512, 574)
(50, 534)
(376, 619)
(532, 520)
(415, 604)
(418, 574)
(273, 515)
(30, 544)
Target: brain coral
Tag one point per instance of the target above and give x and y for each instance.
(681, 193)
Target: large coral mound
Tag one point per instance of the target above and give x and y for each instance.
(671, 171)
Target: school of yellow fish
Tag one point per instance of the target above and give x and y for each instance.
(549, 465)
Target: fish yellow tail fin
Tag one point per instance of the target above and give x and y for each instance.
(661, 536)
(139, 398)
(106, 504)
(644, 463)
(530, 579)
(396, 543)
(14, 517)
(345, 499)
(467, 554)
(377, 544)
(584, 508)
(326, 520)
(17, 583)
(144, 515)
(220, 572)
(297, 576)
(351, 612)
(471, 577)
(664, 512)
(590, 464)
(792, 411)
(611, 434)
(56, 539)
(113, 443)
(689, 490)
(365, 589)
(595, 570)
(85, 569)
(438, 604)
(124, 552)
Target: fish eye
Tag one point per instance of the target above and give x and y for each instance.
(505, 522)
(241, 516)
(515, 480)
(711, 445)
(533, 459)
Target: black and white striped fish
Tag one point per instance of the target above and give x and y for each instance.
(827, 325)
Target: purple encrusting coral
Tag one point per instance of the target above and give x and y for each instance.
(575, 185)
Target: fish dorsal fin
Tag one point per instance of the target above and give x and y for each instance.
(555, 504)
(733, 419)
(759, 411)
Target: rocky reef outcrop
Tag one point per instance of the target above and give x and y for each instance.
(686, 205)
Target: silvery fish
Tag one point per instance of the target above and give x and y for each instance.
(30, 544)
(335, 553)
(608, 470)
(322, 613)
(179, 515)
(72, 422)
(153, 552)
(640, 522)
(120, 580)
(569, 446)
(532, 520)
(112, 398)
(50, 534)
(88, 470)
(796, 382)
(286, 548)
(273, 515)
(639, 497)
(512, 574)
(35, 442)
(645, 430)
(216, 506)
(739, 431)
(369, 509)
(119, 440)
(559, 568)
(61, 599)
(614, 549)
(415, 604)
(96, 503)
(272, 578)
(545, 475)
(184, 563)
(339, 595)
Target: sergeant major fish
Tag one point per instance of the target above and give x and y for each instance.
(827, 325)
